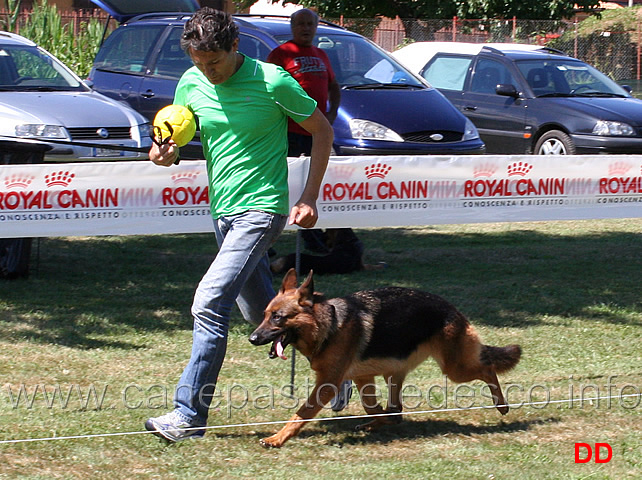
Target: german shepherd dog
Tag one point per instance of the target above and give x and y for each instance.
(388, 332)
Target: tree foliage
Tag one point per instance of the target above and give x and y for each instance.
(617, 20)
(428, 9)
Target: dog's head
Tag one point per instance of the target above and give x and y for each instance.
(285, 313)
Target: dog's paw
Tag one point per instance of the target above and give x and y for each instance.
(503, 409)
(271, 442)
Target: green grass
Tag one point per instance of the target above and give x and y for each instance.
(106, 321)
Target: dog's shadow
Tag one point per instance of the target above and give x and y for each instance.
(410, 429)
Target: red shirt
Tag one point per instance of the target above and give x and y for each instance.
(310, 66)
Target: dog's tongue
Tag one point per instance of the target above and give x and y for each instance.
(278, 348)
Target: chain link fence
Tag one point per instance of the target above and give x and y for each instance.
(615, 53)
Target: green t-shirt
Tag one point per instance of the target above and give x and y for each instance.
(243, 124)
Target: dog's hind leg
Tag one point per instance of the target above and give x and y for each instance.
(368, 394)
(465, 359)
(489, 376)
(486, 373)
(496, 360)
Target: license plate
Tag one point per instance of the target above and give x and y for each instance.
(107, 152)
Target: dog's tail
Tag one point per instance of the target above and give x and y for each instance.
(501, 358)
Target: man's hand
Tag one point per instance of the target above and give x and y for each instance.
(164, 155)
(304, 214)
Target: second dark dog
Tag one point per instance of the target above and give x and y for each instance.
(344, 255)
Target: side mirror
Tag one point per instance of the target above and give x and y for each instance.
(506, 90)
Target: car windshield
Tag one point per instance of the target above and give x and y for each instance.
(359, 63)
(24, 68)
(564, 78)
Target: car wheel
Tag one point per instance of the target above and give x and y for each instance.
(555, 142)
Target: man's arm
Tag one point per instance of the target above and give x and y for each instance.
(304, 213)
(334, 98)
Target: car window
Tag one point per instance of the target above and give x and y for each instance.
(8, 72)
(360, 62)
(127, 49)
(356, 61)
(29, 68)
(447, 72)
(172, 60)
(488, 74)
(253, 47)
(567, 77)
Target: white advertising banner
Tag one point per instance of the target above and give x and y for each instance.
(130, 198)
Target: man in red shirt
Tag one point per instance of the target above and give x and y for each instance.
(310, 67)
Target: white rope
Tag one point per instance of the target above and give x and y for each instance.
(325, 419)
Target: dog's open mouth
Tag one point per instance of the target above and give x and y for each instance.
(279, 345)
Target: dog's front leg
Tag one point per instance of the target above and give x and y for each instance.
(321, 394)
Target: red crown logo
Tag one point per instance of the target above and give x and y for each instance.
(18, 181)
(59, 179)
(377, 170)
(185, 177)
(519, 168)
(485, 170)
(619, 168)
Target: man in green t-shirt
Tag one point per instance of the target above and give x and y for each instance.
(242, 106)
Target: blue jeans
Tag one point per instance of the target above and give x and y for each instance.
(240, 272)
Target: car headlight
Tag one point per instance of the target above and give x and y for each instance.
(144, 130)
(470, 131)
(40, 130)
(368, 130)
(604, 127)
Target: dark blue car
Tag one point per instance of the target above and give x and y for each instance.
(385, 109)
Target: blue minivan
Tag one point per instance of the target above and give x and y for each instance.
(385, 109)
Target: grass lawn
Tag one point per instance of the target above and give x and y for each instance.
(94, 341)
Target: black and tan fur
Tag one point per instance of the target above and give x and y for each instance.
(388, 332)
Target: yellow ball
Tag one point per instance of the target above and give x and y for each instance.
(182, 121)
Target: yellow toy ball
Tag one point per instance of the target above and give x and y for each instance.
(181, 120)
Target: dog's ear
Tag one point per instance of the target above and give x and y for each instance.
(289, 281)
(306, 290)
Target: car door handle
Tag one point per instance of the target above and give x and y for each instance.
(148, 94)
(470, 108)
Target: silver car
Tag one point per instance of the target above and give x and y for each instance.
(42, 99)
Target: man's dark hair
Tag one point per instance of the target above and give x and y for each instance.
(209, 30)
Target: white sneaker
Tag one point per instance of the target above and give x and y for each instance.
(173, 427)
